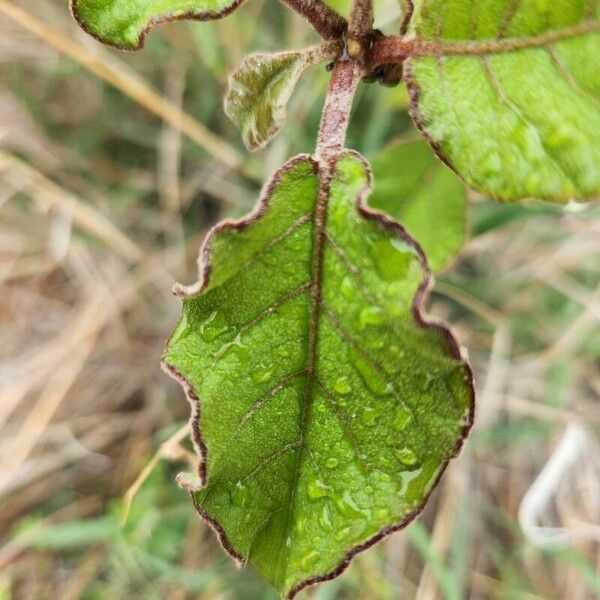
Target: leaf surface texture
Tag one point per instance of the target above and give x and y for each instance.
(325, 407)
(521, 116)
(260, 89)
(124, 23)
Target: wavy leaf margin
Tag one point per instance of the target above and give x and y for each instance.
(191, 15)
(205, 268)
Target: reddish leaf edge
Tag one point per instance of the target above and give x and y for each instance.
(190, 15)
(418, 306)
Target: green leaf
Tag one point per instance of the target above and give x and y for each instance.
(324, 407)
(260, 89)
(424, 196)
(125, 23)
(511, 97)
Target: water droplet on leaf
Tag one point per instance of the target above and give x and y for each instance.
(317, 489)
(325, 519)
(239, 495)
(402, 419)
(261, 374)
(214, 326)
(406, 456)
(310, 559)
(371, 315)
(346, 288)
(342, 386)
(392, 258)
(369, 416)
(371, 378)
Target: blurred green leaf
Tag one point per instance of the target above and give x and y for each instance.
(419, 191)
(76, 534)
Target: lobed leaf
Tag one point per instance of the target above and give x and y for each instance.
(125, 23)
(511, 97)
(422, 194)
(260, 89)
(325, 408)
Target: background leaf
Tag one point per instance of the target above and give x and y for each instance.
(516, 123)
(328, 409)
(260, 89)
(424, 196)
(125, 23)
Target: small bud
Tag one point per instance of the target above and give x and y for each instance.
(354, 48)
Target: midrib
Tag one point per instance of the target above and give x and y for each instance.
(315, 290)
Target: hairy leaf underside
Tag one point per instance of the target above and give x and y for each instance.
(424, 195)
(519, 117)
(124, 23)
(325, 407)
(260, 89)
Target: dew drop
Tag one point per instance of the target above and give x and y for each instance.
(261, 374)
(402, 418)
(325, 519)
(332, 463)
(406, 456)
(382, 514)
(396, 351)
(369, 416)
(309, 559)
(214, 326)
(342, 386)
(282, 351)
(348, 507)
(239, 495)
(371, 315)
(234, 347)
(428, 382)
(372, 380)
(181, 329)
(300, 526)
(376, 344)
(317, 489)
(392, 258)
(346, 288)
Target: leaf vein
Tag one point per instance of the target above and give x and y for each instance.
(255, 407)
(511, 105)
(286, 233)
(569, 77)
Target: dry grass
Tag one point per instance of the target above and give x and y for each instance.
(102, 209)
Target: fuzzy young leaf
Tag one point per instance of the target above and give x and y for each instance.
(512, 100)
(324, 407)
(260, 89)
(421, 193)
(125, 23)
